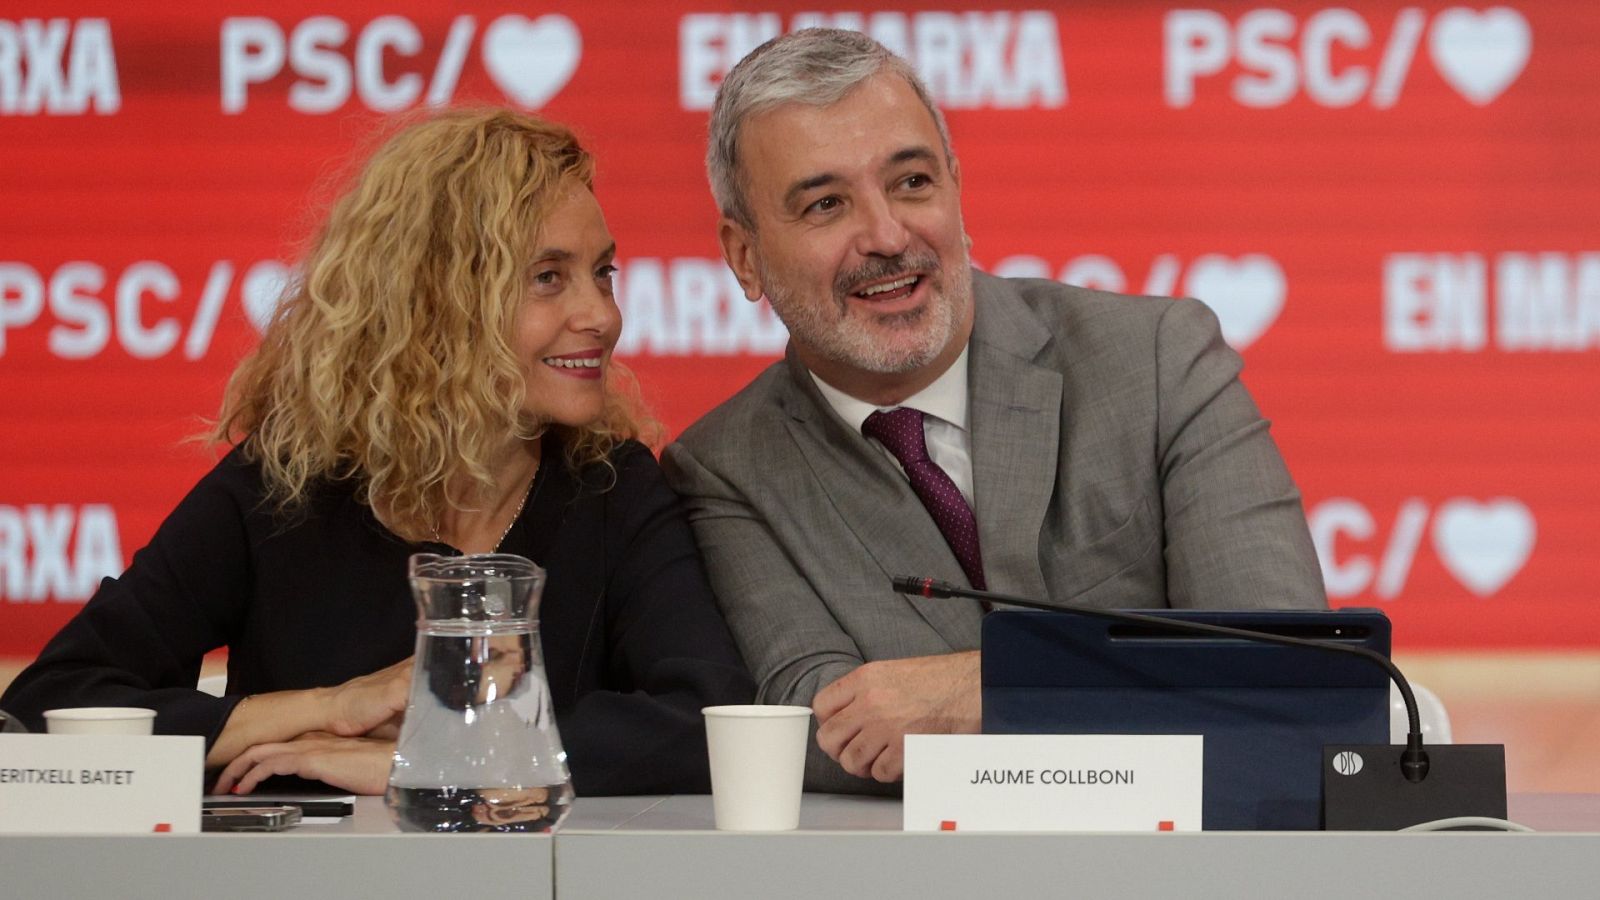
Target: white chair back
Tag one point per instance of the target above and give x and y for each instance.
(1430, 709)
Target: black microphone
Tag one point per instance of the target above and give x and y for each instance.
(1475, 785)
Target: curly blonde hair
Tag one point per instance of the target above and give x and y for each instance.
(389, 361)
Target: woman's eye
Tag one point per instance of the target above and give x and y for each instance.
(547, 278)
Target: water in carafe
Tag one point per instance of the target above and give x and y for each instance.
(479, 749)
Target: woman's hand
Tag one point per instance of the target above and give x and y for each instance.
(358, 765)
(366, 706)
(369, 702)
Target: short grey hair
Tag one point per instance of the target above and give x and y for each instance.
(814, 66)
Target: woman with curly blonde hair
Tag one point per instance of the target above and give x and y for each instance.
(439, 379)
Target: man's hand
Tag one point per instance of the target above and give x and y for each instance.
(864, 716)
(357, 765)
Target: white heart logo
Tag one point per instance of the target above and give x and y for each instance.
(1483, 544)
(1480, 53)
(1246, 294)
(263, 287)
(532, 60)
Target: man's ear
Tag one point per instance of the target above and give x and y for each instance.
(955, 169)
(738, 249)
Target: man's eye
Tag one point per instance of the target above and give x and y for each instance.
(917, 182)
(826, 204)
(605, 272)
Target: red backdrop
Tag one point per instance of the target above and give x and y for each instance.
(1391, 207)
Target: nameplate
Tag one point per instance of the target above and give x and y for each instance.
(1052, 782)
(56, 783)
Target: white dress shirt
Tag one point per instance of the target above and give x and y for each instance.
(944, 422)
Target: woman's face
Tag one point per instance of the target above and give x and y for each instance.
(568, 319)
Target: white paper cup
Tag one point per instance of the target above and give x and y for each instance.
(758, 765)
(100, 720)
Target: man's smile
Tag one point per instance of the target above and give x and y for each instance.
(890, 290)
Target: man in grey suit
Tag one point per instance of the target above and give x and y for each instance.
(1033, 438)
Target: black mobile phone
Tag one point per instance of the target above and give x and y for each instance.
(325, 807)
(250, 818)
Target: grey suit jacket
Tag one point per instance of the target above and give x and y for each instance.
(1117, 462)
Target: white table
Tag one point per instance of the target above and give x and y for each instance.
(852, 847)
(664, 847)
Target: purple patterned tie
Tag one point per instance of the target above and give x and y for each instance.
(900, 431)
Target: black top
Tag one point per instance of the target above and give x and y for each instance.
(633, 644)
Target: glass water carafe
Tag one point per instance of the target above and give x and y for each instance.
(478, 750)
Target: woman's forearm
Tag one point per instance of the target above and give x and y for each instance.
(352, 709)
(270, 718)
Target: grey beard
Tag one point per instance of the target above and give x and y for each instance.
(839, 340)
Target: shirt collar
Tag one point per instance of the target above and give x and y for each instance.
(945, 399)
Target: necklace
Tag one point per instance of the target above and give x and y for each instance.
(514, 516)
(518, 514)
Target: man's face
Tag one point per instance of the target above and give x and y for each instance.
(858, 241)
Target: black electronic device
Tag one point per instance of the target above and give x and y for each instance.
(1364, 787)
(310, 807)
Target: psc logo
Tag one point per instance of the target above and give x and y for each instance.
(1482, 544)
(530, 60)
(1246, 292)
(1337, 58)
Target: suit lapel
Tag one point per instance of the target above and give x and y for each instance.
(1016, 427)
(876, 503)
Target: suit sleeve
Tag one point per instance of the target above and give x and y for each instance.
(139, 640)
(793, 644)
(1236, 533)
(670, 652)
